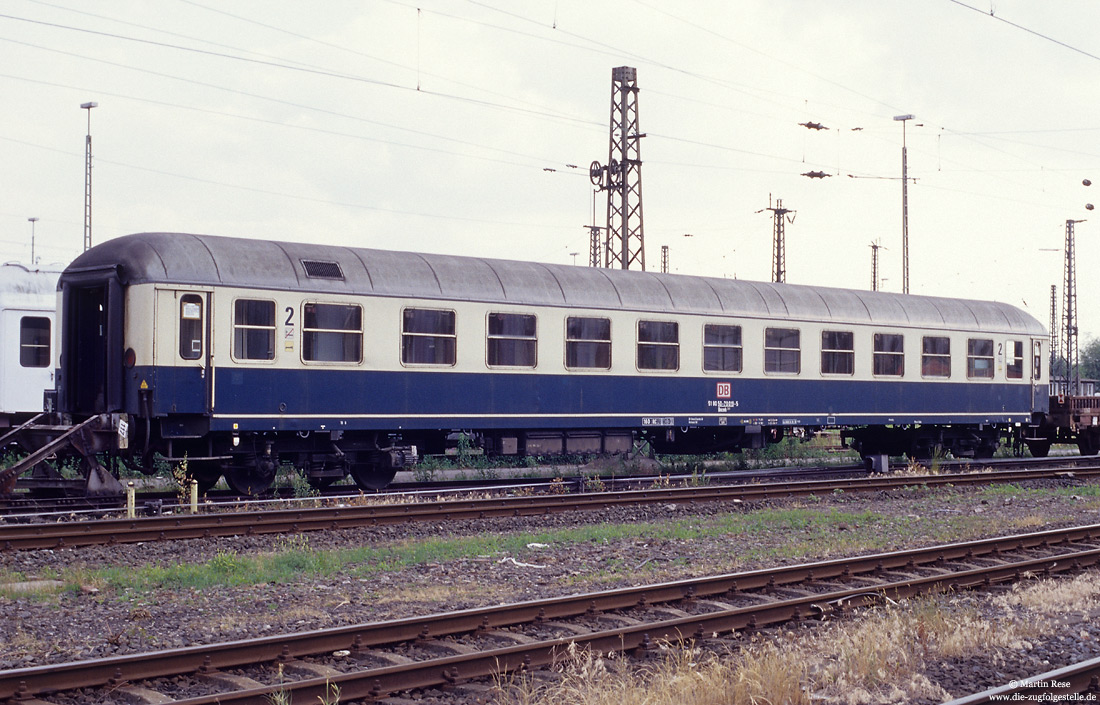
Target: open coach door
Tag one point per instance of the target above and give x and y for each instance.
(90, 379)
(90, 375)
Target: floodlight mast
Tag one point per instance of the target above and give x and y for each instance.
(88, 177)
(904, 206)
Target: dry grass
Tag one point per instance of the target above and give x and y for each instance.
(877, 658)
(1054, 597)
(1028, 522)
(232, 623)
(681, 675)
(20, 642)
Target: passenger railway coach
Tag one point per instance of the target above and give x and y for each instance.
(27, 301)
(242, 355)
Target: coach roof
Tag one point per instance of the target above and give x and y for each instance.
(206, 260)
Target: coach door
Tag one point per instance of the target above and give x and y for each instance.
(185, 368)
(1040, 389)
(91, 354)
(26, 362)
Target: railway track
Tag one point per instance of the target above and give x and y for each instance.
(346, 516)
(157, 501)
(374, 660)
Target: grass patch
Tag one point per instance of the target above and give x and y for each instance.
(294, 559)
(1008, 489)
(805, 530)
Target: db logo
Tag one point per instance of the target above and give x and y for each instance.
(723, 390)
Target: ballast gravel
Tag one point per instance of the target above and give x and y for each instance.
(89, 619)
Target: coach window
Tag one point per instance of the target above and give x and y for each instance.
(889, 355)
(935, 357)
(658, 345)
(979, 358)
(1015, 367)
(428, 337)
(512, 340)
(838, 355)
(782, 350)
(253, 329)
(721, 348)
(1037, 361)
(332, 332)
(190, 326)
(587, 343)
(34, 341)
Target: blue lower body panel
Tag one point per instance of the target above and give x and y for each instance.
(311, 399)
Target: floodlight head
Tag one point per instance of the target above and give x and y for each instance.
(86, 106)
(903, 117)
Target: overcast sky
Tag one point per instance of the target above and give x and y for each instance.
(450, 126)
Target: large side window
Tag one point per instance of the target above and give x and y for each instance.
(332, 332)
(1015, 367)
(979, 358)
(512, 340)
(721, 348)
(587, 343)
(428, 337)
(935, 357)
(253, 329)
(190, 326)
(838, 355)
(782, 350)
(889, 355)
(658, 345)
(34, 341)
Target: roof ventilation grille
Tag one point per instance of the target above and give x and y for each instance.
(318, 269)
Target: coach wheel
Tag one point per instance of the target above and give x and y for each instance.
(251, 475)
(372, 476)
(1039, 449)
(1088, 443)
(206, 474)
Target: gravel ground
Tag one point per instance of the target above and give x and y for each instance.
(93, 617)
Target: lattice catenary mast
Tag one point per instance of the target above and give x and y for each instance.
(875, 247)
(779, 242)
(595, 245)
(595, 241)
(1069, 315)
(622, 177)
(664, 259)
(1055, 335)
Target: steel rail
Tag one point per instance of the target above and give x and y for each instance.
(191, 526)
(13, 506)
(43, 679)
(1083, 677)
(375, 683)
(65, 508)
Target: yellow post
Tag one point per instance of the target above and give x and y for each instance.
(130, 500)
(194, 496)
